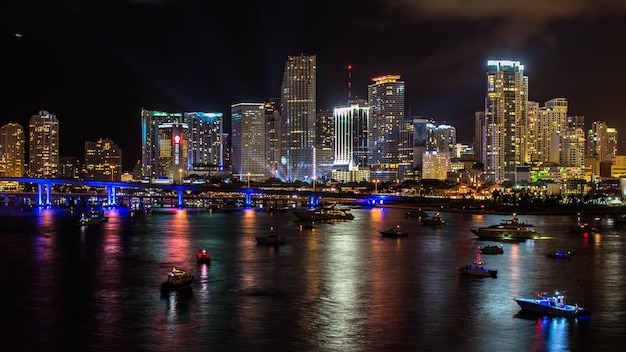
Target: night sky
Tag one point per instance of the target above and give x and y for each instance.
(95, 64)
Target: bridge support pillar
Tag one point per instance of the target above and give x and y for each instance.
(180, 199)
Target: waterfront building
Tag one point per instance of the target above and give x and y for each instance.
(386, 98)
(352, 129)
(325, 143)
(406, 158)
(272, 136)
(422, 142)
(103, 161)
(71, 167)
(196, 143)
(545, 124)
(435, 165)
(248, 137)
(503, 137)
(298, 106)
(43, 145)
(598, 141)
(12, 150)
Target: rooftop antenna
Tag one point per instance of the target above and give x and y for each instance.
(349, 82)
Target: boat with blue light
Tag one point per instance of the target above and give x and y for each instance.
(560, 255)
(543, 303)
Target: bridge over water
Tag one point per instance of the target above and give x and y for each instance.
(49, 192)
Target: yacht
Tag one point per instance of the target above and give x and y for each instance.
(507, 230)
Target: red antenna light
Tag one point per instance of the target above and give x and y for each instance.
(349, 83)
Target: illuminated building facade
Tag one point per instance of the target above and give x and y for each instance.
(298, 106)
(12, 150)
(352, 128)
(103, 161)
(503, 139)
(435, 165)
(201, 144)
(386, 98)
(272, 136)
(43, 147)
(249, 141)
(325, 143)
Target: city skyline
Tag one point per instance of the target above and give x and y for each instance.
(86, 64)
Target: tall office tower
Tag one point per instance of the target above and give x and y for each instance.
(444, 138)
(597, 141)
(206, 147)
(352, 128)
(248, 142)
(422, 141)
(533, 117)
(272, 136)
(405, 151)
(197, 141)
(43, 147)
(150, 148)
(572, 147)
(298, 105)
(505, 119)
(12, 150)
(612, 143)
(479, 120)
(103, 160)
(324, 143)
(386, 98)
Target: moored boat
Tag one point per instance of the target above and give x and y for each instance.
(584, 228)
(177, 280)
(419, 213)
(92, 217)
(203, 256)
(555, 305)
(492, 249)
(511, 229)
(434, 220)
(560, 254)
(394, 232)
(325, 213)
(477, 268)
(271, 239)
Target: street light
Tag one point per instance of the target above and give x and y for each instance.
(313, 184)
(112, 171)
(376, 186)
(248, 180)
(180, 178)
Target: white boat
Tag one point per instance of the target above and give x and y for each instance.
(271, 239)
(507, 230)
(477, 268)
(555, 305)
(325, 213)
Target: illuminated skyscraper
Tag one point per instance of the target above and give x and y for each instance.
(352, 128)
(298, 105)
(386, 99)
(174, 141)
(43, 146)
(12, 150)
(249, 141)
(103, 160)
(505, 120)
(325, 143)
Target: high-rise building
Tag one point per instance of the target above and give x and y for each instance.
(43, 147)
(324, 143)
(598, 141)
(174, 143)
(386, 99)
(352, 128)
(422, 142)
(206, 140)
(12, 150)
(272, 136)
(103, 160)
(248, 138)
(298, 107)
(405, 151)
(505, 120)
(444, 138)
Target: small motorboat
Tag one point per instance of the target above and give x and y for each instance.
(177, 280)
(492, 249)
(203, 256)
(477, 268)
(419, 213)
(554, 305)
(271, 239)
(584, 228)
(394, 232)
(92, 217)
(435, 220)
(560, 254)
(308, 226)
